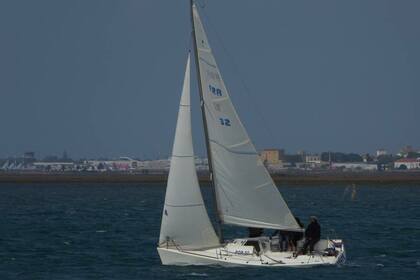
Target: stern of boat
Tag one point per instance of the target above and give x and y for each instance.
(339, 246)
(332, 248)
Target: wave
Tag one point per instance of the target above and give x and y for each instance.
(196, 274)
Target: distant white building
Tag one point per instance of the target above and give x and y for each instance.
(158, 164)
(54, 166)
(355, 166)
(407, 163)
(120, 164)
(381, 152)
(201, 164)
(313, 159)
(273, 168)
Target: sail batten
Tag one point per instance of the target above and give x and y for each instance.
(186, 205)
(246, 195)
(185, 221)
(232, 150)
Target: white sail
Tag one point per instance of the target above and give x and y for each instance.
(245, 193)
(185, 221)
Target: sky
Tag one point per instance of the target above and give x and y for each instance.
(103, 78)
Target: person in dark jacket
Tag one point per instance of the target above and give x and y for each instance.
(312, 235)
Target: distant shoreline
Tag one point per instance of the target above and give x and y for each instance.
(308, 177)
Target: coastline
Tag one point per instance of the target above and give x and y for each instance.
(302, 177)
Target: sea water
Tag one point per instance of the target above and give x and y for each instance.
(110, 231)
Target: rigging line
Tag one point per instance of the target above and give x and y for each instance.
(189, 43)
(202, 5)
(274, 260)
(241, 80)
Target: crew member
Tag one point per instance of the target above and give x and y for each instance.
(312, 235)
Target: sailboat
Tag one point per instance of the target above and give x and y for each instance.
(244, 193)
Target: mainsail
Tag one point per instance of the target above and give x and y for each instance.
(185, 221)
(245, 193)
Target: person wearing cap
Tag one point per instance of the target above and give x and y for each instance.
(312, 235)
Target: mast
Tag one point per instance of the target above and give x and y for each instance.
(206, 134)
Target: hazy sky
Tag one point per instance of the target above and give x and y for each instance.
(103, 78)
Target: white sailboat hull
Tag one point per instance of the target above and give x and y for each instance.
(225, 256)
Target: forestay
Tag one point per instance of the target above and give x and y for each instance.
(245, 193)
(185, 221)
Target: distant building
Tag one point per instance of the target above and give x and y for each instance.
(120, 164)
(159, 165)
(272, 156)
(54, 166)
(293, 159)
(355, 166)
(367, 158)
(123, 163)
(28, 157)
(407, 163)
(313, 159)
(381, 152)
(406, 150)
(201, 164)
(275, 168)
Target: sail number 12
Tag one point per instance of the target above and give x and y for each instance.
(225, 122)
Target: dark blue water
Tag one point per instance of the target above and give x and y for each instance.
(110, 231)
